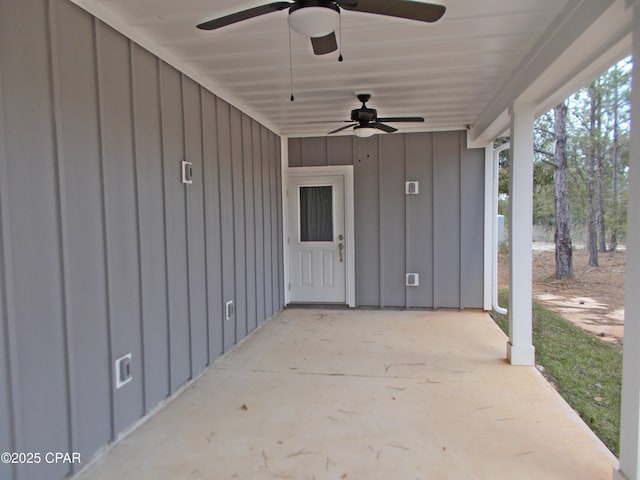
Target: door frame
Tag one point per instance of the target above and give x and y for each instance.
(345, 171)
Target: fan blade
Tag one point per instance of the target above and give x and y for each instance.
(244, 15)
(342, 128)
(384, 128)
(329, 121)
(423, 12)
(401, 119)
(324, 45)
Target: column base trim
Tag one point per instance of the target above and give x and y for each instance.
(521, 354)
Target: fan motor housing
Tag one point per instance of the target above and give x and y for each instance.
(364, 114)
(313, 3)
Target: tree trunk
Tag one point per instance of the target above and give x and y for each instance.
(602, 242)
(592, 224)
(613, 242)
(564, 252)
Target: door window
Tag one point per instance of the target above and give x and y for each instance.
(316, 214)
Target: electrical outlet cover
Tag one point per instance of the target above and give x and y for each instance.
(123, 370)
(187, 172)
(412, 187)
(229, 310)
(413, 280)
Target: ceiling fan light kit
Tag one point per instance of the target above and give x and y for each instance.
(363, 131)
(314, 19)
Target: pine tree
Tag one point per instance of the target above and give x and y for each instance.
(562, 236)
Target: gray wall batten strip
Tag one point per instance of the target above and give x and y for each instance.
(233, 227)
(98, 41)
(204, 213)
(244, 222)
(277, 162)
(261, 159)
(259, 220)
(161, 88)
(433, 220)
(223, 297)
(460, 218)
(208, 237)
(58, 154)
(270, 217)
(255, 222)
(136, 193)
(264, 160)
(276, 229)
(258, 161)
(249, 223)
(186, 229)
(274, 221)
(221, 275)
(243, 228)
(227, 209)
(270, 225)
(264, 148)
(279, 211)
(407, 224)
(243, 215)
(257, 210)
(274, 225)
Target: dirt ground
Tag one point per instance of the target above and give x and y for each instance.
(594, 300)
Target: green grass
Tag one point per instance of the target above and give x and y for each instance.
(586, 371)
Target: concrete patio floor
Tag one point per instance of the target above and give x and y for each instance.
(336, 394)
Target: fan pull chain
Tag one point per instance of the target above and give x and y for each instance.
(291, 66)
(340, 58)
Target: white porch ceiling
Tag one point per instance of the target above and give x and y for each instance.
(450, 72)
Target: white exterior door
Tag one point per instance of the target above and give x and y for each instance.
(316, 239)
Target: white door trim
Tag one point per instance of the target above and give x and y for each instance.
(349, 219)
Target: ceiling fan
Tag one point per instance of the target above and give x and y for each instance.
(365, 121)
(319, 19)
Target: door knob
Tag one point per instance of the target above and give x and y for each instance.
(340, 249)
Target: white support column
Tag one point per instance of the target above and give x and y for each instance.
(489, 220)
(630, 421)
(520, 349)
(284, 169)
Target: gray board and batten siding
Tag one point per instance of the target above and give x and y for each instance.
(438, 233)
(103, 251)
